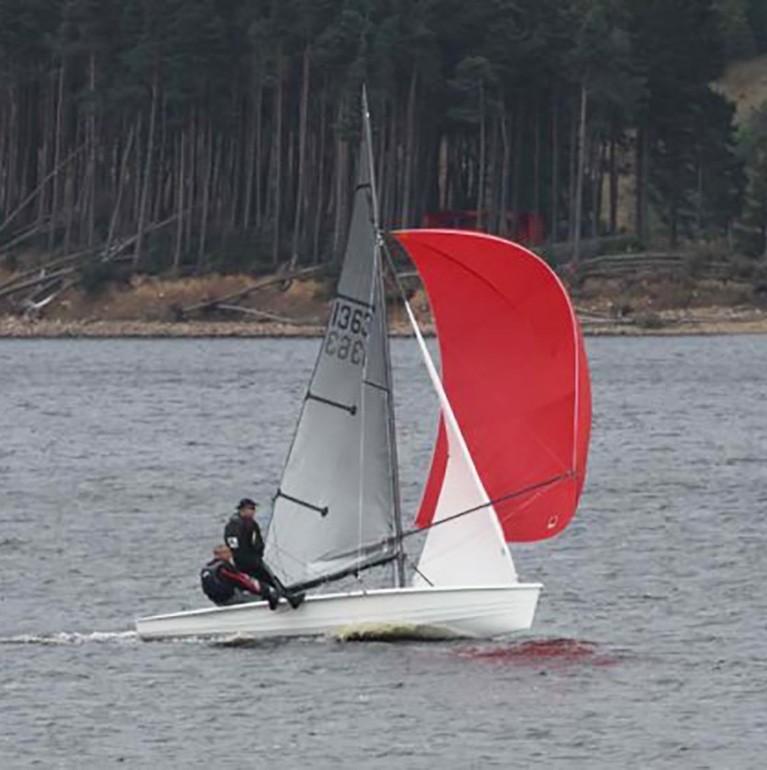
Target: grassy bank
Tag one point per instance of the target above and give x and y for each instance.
(638, 303)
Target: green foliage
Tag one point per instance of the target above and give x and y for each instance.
(756, 13)
(737, 32)
(26, 30)
(548, 255)
(94, 275)
(244, 252)
(454, 86)
(159, 248)
(694, 178)
(753, 145)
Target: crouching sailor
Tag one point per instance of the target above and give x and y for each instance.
(243, 536)
(224, 584)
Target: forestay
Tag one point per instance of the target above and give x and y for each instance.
(335, 507)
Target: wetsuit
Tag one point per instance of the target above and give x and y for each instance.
(223, 584)
(243, 536)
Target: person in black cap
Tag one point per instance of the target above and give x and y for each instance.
(243, 536)
(224, 585)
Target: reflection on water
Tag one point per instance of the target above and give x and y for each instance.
(547, 652)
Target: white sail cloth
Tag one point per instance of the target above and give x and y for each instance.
(335, 507)
(468, 547)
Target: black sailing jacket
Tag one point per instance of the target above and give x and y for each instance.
(219, 580)
(243, 536)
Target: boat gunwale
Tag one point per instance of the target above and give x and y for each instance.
(320, 598)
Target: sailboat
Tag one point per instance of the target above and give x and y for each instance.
(509, 458)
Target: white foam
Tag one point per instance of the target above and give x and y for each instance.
(72, 637)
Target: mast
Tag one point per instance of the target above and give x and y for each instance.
(399, 576)
(398, 529)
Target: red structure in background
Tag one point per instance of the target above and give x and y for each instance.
(525, 227)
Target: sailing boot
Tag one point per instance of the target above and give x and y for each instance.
(294, 599)
(271, 596)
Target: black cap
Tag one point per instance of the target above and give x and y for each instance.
(246, 502)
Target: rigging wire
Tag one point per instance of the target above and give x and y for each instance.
(537, 487)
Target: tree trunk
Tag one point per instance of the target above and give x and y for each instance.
(389, 200)
(191, 180)
(259, 156)
(341, 173)
(180, 184)
(320, 201)
(482, 160)
(303, 109)
(503, 205)
(161, 180)
(205, 195)
(536, 207)
(91, 140)
(277, 160)
(407, 169)
(69, 207)
(580, 173)
(516, 174)
(554, 223)
(145, 187)
(572, 170)
(57, 157)
(136, 177)
(120, 186)
(613, 163)
(642, 164)
(250, 161)
(45, 160)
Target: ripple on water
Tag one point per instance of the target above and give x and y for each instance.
(551, 652)
(648, 645)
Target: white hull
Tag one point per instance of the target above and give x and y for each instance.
(471, 611)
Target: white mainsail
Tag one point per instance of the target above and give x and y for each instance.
(335, 508)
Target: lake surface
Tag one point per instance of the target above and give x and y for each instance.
(120, 461)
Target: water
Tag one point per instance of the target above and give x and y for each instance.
(120, 460)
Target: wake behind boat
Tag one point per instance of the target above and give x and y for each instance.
(509, 459)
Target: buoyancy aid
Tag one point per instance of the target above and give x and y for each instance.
(214, 586)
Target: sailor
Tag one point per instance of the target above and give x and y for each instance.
(243, 536)
(223, 584)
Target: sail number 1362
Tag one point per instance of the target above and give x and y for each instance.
(348, 330)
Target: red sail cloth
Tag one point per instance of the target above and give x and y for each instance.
(514, 369)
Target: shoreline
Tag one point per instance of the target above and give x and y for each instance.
(221, 306)
(708, 324)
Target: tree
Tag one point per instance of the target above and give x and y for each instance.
(679, 48)
(736, 29)
(754, 146)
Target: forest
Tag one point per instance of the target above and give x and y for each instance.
(190, 136)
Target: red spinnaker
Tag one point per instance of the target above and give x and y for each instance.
(514, 368)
